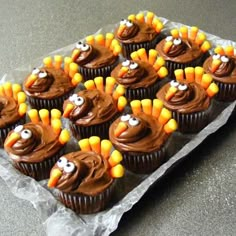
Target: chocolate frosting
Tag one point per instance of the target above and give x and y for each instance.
(226, 72)
(89, 177)
(176, 50)
(8, 111)
(188, 52)
(148, 136)
(143, 76)
(194, 99)
(98, 108)
(41, 145)
(98, 56)
(138, 33)
(56, 84)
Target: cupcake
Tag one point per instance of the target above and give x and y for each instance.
(138, 31)
(183, 48)
(49, 86)
(142, 137)
(86, 178)
(97, 56)
(141, 76)
(92, 110)
(189, 97)
(36, 146)
(222, 67)
(12, 108)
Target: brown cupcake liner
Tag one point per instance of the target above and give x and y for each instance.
(142, 93)
(91, 73)
(101, 130)
(40, 103)
(128, 48)
(83, 204)
(40, 170)
(227, 92)
(193, 122)
(4, 131)
(144, 163)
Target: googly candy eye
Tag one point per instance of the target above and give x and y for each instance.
(62, 162)
(73, 97)
(123, 22)
(133, 121)
(169, 38)
(79, 101)
(224, 59)
(85, 47)
(177, 41)
(182, 87)
(35, 71)
(174, 83)
(129, 23)
(216, 56)
(126, 63)
(69, 167)
(26, 134)
(18, 128)
(125, 117)
(79, 45)
(133, 65)
(42, 74)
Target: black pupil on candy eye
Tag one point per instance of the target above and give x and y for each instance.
(68, 164)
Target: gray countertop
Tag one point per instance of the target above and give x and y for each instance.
(199, 196)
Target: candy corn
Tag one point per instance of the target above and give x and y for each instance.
(58, 61)
(122, 102)
(212, 90)
(170, 93)
(167, 46)
(84, 144)
(115, 158)
(175, 33)
(47, 61)
(12, 139)
(110, 83)
(206, 81)
(140, 17)
(170, 126)
(33, 115)
(156, 107)
(229, 50)
(68, 109)
(30, 80)
(95, 144)
(21, 97)
(215, 65)
(99, 83)
(164, 116)
(90, 39)
(199, 71)
(55, 114)
(54, 177)
(158, 63)
(123, 70)
(136, 106)
(16, 88)
(106, 147)
(121, 127)
(179, 75)
(189, 74)
(149, 17)
(162, 72)
(56, 125)
(193, 33)
(117, 171)
(77, 78)
(67, 61)
(109, 38)
(22, 109)
(100, 39)
(73, 69)
(64, 136)
(89, 84)
(44, 116)
(147, 106)
(8, 89)
(75, 54)
(142, 54)
(152, 56)
(184, 32)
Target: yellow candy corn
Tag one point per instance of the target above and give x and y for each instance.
(179, 75)
(99, 83)
(150, 16)
(73, 69)
(184, 32)
(131, 17)
(199, 71)
(110, 83)
(55, 114)
(67, 61)
(140, 17)
(215, 65)
(123, 70)
(100, 39)
(167, 46)
(206, 81)
(142, 54)
(229, 51)
(162, 72)
(117, 171)
(2, 93)
(56, 125)
(116, 50)
(158, 63)
(68, 109)
(212, 90)
(200, 38)
(84, 145)
(106, 147)
(136, 106)
(109, 38)
(54, 177)
(95, 144)
(22, 109)
(189, 74)
(77, 78)
(90, 40)
(175, 33)
(64, 136)
(219, 50)
(152, 56)
(147, 106)
(205, 46)
(89, 84)
(156, 107)
(47, 61)
(21, 97)
(58, 61)
(16, 88)
(12, 139)
(193, 33)
(30, 80)
(170, 126)
(170, 93)
(8, 89)
(121, 127)
(122, 102)
(75, 54)
(44, 116)
(33, 115)
(115, 158)
(121, 29)
(164, 116)
(134, 55)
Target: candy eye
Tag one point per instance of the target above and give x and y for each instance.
(182, 87)
(224, 59)
(62, 162)
(216, 56)
(169, 38)
(125, 117)
(177, 41)
(133, 121)
(85, 47)
(126, 63)
(79, 101)
(35, 71)
(73, 97)
(18, 128)
(42, 74)
(129, 23)
(174, 83)
(123, 22)
(79, 45)
(133, 65)
(69, 167)
(26, 134)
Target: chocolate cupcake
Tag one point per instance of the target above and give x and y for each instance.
(49, 86)
(12, 108)
(138, 31)
(183, 48)
(189, 98)
(222, 67)
(97, 56)
(142, 137)
(141, 76)
(35, 147)
(86, 178)
(92, 110)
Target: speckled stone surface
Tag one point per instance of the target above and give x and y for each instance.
(199, 196)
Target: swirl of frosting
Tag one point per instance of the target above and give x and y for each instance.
(225, 68)
(8, 111)
(178, 47)
(43, 82)
(88, 176)
(129, 31)
(147, 136)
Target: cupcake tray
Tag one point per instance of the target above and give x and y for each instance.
(59, 220)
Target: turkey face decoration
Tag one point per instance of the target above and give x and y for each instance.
(77, 107)
(127, 29)
(23, 140)
(174, 46)
(130, 128)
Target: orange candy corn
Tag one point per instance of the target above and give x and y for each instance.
(12, 139)
(73, 69)
(215, 65)
(212, 90)
(152, 56)
(115, 158)
(179, 75)
(140, 17)
(122, 102)
(205, 46)
(44, 116)
(77, 78)
(110, 83)
(167, 46)
(189, 74)
(164, 116)
(106, 147)
(121, 127)
(206, 81)
(89, 85)
(67, 61)
(30, 80)
(123, 70)
(147, 106)
(56, 125)
(109, 38)
(199, 71)
(219, 50)
(175, 33)
(134, 55)
(184, 32)
(156, 107)
(150, 16)
(84, 144)
(100, 39)
(75, 54)
(54, 177)
(58, 61)
(33, 115)
(229, 51)
(99, 83)
(90, 39)
(68, 109)
(193, 33)
(170, 93)
(121, 29)
(8, 89)
(95, 144)
(142, 54)
(159, 63)
(55, 114)
(200, 38)
(16, 88)
(136, 106)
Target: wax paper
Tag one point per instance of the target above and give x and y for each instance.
(59, 220)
